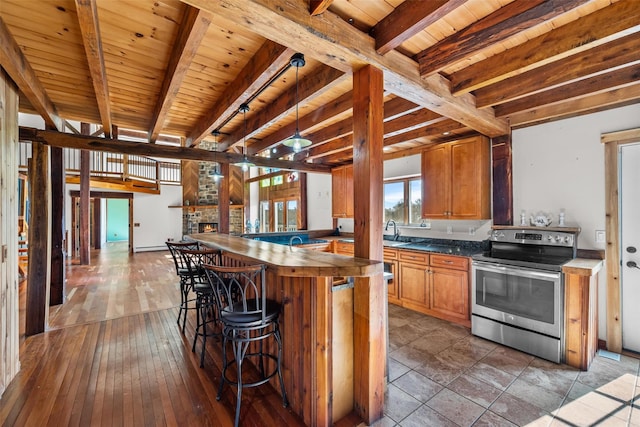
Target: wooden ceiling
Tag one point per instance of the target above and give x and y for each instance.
(451, 68)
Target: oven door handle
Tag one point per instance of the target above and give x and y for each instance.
(504, 269)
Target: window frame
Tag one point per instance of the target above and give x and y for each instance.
(406, 181)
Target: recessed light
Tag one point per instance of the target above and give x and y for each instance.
(446, 133)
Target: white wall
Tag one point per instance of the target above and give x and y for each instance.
(561, 165)
(157, 221)
(319, 201)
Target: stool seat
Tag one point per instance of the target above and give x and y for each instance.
(248, 319)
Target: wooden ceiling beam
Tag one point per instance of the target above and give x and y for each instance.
(270, 58)
(316, 7)
(310, 87)
(588, 104)
(331, 147)
(429, 132)
(408, 122)
(15, 63)
(338, 106)
(494, 28)
(334, 42)
(82, 142)
(605, 82)
(409, 19)
(87, 12)
(192, 30)
(602, 26)
(612, 55)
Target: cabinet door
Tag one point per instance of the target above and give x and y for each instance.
(470, 179)
(348, 191)
(436, 179)
(414, 290)
(450, 292)
(338, 206)
(392, 287)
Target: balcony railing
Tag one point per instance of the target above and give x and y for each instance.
(115, 166)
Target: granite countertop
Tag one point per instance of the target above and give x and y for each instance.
(465, 248)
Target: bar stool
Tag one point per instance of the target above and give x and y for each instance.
(183, 273)
(206, 308)
(248, 319)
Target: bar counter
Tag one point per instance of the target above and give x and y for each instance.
(322, 326)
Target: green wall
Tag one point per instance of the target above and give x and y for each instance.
(117, 220)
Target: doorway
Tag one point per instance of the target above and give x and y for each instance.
(630, 245)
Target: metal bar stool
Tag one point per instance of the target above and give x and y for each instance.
(206, 308)
(248, 319)
(183, 273)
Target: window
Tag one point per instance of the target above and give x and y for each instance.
(403, 201)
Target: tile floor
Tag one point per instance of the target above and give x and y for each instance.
(441, 375)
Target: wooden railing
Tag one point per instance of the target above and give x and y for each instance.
(114, 165)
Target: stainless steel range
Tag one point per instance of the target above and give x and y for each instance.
(518, 290)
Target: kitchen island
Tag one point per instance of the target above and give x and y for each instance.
(317, 323)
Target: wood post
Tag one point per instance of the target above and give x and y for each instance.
(223, 199)
(369, 322)
(57, 290)
(39, 241)
(85, 185)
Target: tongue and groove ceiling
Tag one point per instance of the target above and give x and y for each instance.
(161, 69)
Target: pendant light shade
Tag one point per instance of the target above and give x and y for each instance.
(297, 142)
(215, 173)
(245, 164)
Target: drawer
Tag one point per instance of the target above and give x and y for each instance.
(414, 257)
(344, 248)
(390, 254)
(448, 261)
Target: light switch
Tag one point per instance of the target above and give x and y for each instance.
(601, 236)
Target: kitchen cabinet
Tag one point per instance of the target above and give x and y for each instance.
(342, 192)
(456, 180)
(435, 284)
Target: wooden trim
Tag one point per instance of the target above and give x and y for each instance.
(612, 143)
(103, 194)
(57, 290)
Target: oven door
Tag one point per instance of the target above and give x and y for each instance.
(522, 297)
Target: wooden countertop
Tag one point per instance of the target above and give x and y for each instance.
(582, 266)
(290, 261)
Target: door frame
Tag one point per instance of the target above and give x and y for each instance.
(612, 141)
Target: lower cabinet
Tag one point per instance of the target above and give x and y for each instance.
(435, 284)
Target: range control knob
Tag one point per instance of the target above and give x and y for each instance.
(558, 239)
(567, 240)
(550, 238)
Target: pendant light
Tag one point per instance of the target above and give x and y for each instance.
(297, 141)
(245, 164)
(216, 174)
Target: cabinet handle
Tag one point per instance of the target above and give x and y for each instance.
(447, 262)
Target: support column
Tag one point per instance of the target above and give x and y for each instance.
(223, 199)
(85, 186)
(57, 290)
(370, 323)
(39, 241)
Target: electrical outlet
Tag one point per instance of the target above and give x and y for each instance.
(449, 229)
(472, 231)
(601, 236)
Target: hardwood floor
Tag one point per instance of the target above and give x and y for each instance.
(114, 355)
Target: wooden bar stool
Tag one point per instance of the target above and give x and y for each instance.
(206, 308)
(248, 319)
(183, 273)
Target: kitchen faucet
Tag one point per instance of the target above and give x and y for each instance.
(396, 234)
(294, 238)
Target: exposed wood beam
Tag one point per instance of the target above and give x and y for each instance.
(617, 53)
(331, 147)
(59, 139)
(330, 40)
(605, 25)
(316, 7)
(617, 79)
(141, 135)
(269, 59)
(310, 87)
(15, 63)
(338, 106)
(192, 30)
(431, 131)
(87, 12)
(496, 27)
(411, 121)
(590, 104)
(408, 19)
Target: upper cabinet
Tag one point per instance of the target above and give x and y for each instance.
(342, 192)
(456, 180)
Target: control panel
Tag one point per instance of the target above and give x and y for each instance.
(534, 237)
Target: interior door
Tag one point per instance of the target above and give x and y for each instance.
(630, 241)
